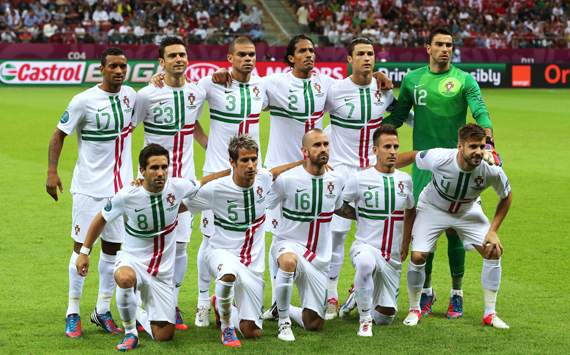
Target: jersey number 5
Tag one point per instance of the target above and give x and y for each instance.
(420, 97)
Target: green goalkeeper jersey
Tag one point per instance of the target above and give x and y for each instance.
(440, 106)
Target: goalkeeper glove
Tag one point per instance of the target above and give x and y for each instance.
(490, 155)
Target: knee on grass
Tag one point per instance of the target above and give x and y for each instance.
(249, 329)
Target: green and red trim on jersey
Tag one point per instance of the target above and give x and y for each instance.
(309, 117)
(245, 254)
(244, 119)
(458, 197)
(313, 235)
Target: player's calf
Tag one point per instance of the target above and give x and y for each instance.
(162, 331)
(312, 321)
(249, 329)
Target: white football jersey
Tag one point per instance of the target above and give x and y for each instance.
(103, 122)
(356, 112)
(239, 216)
(169, 116)
(150, 219)
(233, 111)
(452, 189)
(308, 203)
(295, 107)
(380, 200)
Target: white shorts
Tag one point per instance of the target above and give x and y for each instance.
(84, 209)
(157, 295)
(386, 276)
(338, 223)
(248, 288)
(471, 225)
(183, 230)
(273, 218)
(207, 223)
(311, 282)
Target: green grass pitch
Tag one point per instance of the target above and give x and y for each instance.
(531, 129)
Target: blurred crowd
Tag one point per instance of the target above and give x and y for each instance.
(407, 23)
(127, 21)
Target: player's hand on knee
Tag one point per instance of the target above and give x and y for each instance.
(157, 80)
(82, 264)
(222, 77)
(53, 183)
(492, 247)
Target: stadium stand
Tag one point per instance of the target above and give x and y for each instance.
(127, 21)
(475, 23)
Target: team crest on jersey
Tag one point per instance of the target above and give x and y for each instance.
(259, 191)
(77, 229)
(449, 87)
(274, 223)
(330, 187)
(378, 96)
(170, 199)
(318, 89)
(401, 188)
(256, 92)
(204, 222)
(191, 99)
(126, 101)
(479, 181)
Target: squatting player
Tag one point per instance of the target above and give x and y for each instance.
(357, 106)
(440, 94)
(308, 195)
(101, 116)
(451, 200)
(146, 261)
(385, 212)
(170, 116)
(235, 256)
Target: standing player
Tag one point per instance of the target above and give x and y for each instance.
(385, 213)
(170, 115)
(146, 262)
(309, 195)
(101, 116)
(236, 249)
(440, 94)
(357, 106)
(451, 200)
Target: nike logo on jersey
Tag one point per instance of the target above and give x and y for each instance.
(373, 187)
(348, 99)
(162, 103)
(138, 210)
(418, 85)
(231, 201)
(291, 90)
(300, 190)
(101, 109)
(228, 91)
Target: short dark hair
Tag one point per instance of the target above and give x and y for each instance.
(357, 40)
(152, 150)
(239, 40)
(168, 41)
(110, 51)
(471, 131)
(291, 46)
(388, 130)
(438, 31)
(241, 142)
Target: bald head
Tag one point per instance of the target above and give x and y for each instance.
(309, 137)
(316, 147)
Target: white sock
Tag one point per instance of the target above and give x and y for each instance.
(296, 314)
(127, 306)
(234, 319)
(106, 282)
(337, 260)
(363, 283)
(224, 299)
(272, 273)
(180, 267)
(203, 275)
(427, 291)
(491, 281)
(416, 278)
(75, 286)
(456, 292)
(381, 318)
(283, 292)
